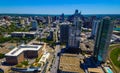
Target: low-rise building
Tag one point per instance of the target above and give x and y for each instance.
(21, 52)
(44, 58)
(95, 70)
(17, 34)
(23, 34)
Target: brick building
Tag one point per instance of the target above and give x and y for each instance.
(19, 54)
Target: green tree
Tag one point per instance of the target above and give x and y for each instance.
(2, 55)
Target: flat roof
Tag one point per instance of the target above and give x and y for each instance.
(23, 32)
(44, 57)
(108, 70)
(65, 23)
(95, 70)
(18, 50)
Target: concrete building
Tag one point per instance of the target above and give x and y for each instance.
(21, 52)
(34, 25)
(95, 24)
(23, 34)
(44, 58)
(55, 23)
(103, 39)
(17, 34)
(51, 35)
(64, 32)
(22, 21)
(74, 32)
(27, 21)
(62, 18)
(30, 34)
(49, 20)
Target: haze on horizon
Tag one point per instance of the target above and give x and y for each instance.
(60, 6)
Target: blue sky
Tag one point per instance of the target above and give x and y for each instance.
(60, 6)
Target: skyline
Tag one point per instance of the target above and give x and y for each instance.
(60, 6)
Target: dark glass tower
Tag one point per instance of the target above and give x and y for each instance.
(103, 37)
(64, 32)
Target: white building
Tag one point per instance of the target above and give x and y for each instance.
(94, 27)
(18, 50)
(74, 32)
(44, 58)
(74, 36)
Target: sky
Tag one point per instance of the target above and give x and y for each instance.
(60, 6)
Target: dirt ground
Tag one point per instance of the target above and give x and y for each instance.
(6, 47)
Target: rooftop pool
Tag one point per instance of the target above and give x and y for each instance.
(108, 70)
(116, 29)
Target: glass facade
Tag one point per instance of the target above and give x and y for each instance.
(103, 39)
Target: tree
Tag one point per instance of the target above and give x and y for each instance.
(2, 55)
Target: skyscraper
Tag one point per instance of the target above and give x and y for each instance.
(95, 24)
(49, 20)
(74, 35)
(75, 31)
(34, 25)
(64, 32)
(103, 39)
(62, 17)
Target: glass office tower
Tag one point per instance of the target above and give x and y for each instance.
(103, 37)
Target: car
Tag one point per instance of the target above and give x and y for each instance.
(2, 62)
(1, 70)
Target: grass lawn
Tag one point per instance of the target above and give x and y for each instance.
(115, 53)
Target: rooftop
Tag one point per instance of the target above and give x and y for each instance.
(18, 50)
(65, 23)
(23, 32)
(95, 70)
(44, 57)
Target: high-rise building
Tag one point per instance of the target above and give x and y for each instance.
(75, 31)
(49, 20)
(64, 32)
(27, 21)
(103, 39)
(74, 35)
(34, 25)
(62, 17)
(51, 34)
(22, 21)
(95, 24)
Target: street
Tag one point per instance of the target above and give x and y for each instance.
(40, 33)
(55, 64)
(56, 60)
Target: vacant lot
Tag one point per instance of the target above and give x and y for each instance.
(6, 47)
(70, 63)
